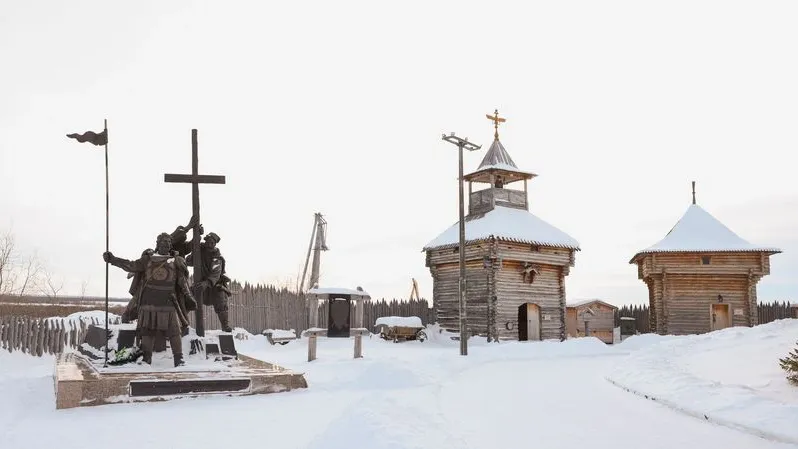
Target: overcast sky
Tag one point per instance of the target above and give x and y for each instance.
(338, 107)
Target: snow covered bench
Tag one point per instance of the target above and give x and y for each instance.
(280, 336)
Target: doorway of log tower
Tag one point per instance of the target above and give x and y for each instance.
(529, 322)
(720, 318)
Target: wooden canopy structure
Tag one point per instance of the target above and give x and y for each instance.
(339, 303)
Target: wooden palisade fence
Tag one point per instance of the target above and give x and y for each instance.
(767, 312)
(257, 308)
(39, 336)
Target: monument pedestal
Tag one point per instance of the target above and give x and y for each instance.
(81, 379)
(80, 383)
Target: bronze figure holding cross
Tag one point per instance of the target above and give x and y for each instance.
(195, 179)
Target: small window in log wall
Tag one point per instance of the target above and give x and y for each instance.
(705, 260)
(535, 249)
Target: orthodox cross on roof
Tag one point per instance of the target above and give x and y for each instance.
(693, 192)
(195, 179)
(496, 120)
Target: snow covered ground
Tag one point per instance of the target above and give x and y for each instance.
(425, 395)
(729, 376)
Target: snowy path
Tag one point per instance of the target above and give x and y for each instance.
(568, 404)
(400, 396)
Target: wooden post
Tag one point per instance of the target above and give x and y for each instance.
(313, 311)
(358, 345)
(311, 347)
(359, 312)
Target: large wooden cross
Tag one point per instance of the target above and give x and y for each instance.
(195, 179)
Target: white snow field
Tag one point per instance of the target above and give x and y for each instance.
(548, 395)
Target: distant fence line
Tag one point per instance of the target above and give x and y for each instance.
(39, 336)
(257, 308)
(252, 307)
(767, 313)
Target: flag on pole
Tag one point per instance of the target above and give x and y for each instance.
(91, 137)
(100, 139)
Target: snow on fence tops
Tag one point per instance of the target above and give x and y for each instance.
(400, 321)
(88, 316)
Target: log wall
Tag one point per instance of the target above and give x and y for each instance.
(691, 263)
(496, 288)
(682, 289)
(446, 296)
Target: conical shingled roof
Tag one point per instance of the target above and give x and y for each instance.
(497, 158)
(698, 231)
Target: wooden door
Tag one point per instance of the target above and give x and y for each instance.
(522, 332)
(533, 322)
(571, 322)
(720, 318)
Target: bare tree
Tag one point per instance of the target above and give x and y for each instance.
(17, 276)
(50, 286)
(83, 286)
(7, 262)
(30, 275)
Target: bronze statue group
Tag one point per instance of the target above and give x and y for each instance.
(162, 293)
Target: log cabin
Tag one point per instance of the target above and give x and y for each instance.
(590, 317)
(516, 263)
(702, 276)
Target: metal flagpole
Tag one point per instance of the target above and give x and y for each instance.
(105, 126)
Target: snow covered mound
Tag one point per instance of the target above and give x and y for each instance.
(731, 377)
(281, 333)
(636, 342)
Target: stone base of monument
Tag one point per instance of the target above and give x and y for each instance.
(82, 379)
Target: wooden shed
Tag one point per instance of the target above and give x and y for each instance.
(702, 276)
(590, 317)
(516, 263)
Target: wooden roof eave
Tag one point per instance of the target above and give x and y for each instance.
(484, 175)
(501, 239)
(592, 301)
(642, 254)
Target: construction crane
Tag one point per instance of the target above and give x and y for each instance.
(318, 243)
(414, 291)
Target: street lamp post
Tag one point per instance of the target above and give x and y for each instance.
(462, 143)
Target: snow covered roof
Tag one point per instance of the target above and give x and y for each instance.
(505, 223)
(588, 301)
(326, 291)
(698, 231)
(497, 158)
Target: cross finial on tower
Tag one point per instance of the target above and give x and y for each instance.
(693, 192)
(496, 120)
